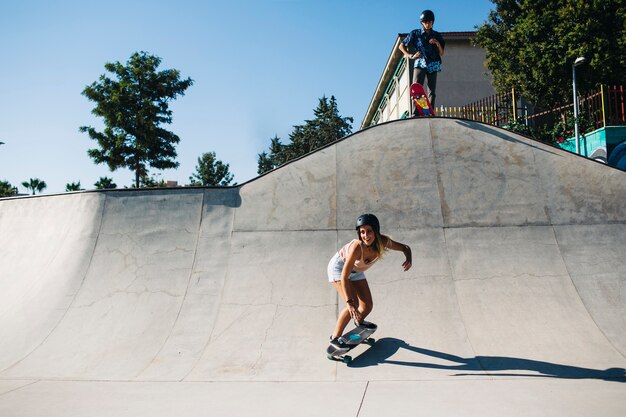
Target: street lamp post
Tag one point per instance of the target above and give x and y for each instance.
(579, 61)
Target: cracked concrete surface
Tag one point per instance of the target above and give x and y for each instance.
(215, 301)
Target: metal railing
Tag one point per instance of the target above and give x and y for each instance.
(614, 105)
(603, 107)
(495, 110)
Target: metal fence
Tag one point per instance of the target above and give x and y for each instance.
(615, 105)
(603, 107)
(495, 110)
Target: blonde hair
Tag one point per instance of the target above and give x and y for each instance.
(379, 246)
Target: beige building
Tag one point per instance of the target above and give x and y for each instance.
(463, 80)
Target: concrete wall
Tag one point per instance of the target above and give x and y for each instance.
(518, 272)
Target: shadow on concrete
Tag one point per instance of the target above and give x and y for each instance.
(384, 349)
(492, 131)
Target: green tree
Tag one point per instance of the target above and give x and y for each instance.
(6, 189)
(35, 185)
(278, 155)
(327, 127)
(134, 106)
(73, 186)
(105, 183)
(147, 181)
(532, 44)
(211, 172)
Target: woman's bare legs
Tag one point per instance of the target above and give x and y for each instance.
(366, 304)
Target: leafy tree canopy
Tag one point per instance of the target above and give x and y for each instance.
(532, 44)
(327, 127)
(6, 189)
(211, 172)
(134, 106)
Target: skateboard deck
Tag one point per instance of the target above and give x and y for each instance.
(420, 101)
(353, 338)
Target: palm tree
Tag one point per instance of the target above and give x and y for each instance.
(35, 184)
(105, 183)
(73, 186)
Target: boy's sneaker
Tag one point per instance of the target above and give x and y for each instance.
(367, 325)
(339, 343)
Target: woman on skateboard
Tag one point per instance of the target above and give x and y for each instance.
(346, 272)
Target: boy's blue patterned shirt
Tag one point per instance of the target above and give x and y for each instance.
(430, 59)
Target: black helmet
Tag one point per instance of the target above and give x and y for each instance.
(427, 16)
(368, 220)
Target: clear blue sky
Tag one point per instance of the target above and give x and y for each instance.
(259, 67)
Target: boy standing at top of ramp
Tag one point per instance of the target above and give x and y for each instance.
(429, 46)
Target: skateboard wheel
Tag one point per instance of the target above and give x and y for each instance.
(370, 341)
(344, 359)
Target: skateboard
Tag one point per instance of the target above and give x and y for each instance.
(354, 337)
(420, 101)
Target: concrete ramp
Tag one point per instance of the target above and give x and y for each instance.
(198, 302)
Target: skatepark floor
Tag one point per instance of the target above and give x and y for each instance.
(215, 301)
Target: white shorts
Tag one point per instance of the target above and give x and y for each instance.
(335, 266)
